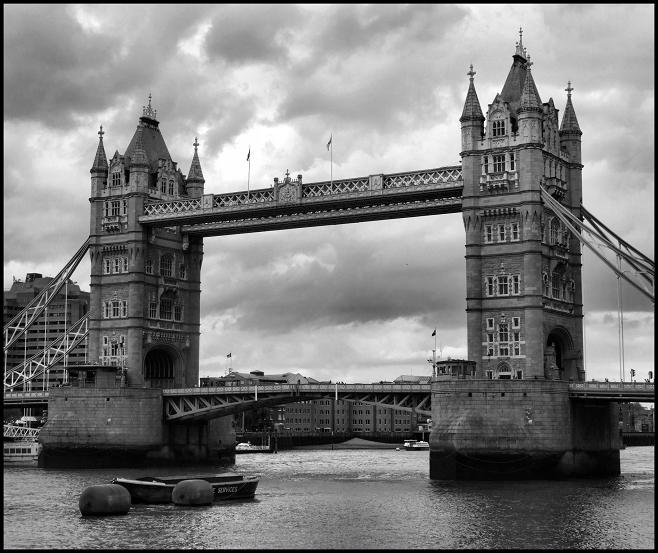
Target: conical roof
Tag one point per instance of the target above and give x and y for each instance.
(100, 161)
(472, 110)
(195, 174)
(530, 99)
(569, 120)
(152, 143)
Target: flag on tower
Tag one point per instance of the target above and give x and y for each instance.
(229, 355)
(329, 143)
(248, 154)
(434, 333)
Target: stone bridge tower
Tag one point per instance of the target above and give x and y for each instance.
(524, 298)
(145, 283)
(516, 419)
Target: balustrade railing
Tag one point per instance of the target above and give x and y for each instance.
(444, 177)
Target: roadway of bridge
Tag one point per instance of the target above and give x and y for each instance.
(189, 404)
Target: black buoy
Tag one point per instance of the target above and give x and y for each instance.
(192, 492)
(104, 499)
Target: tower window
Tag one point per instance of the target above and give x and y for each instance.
(488, 233)
(491, 288)
(166, 266)
(556, 285)
(116, 178)
(485, 164)
(107, 266)
(498, 163)
(116, 208)
(516, 286)
(153, 310)
(148, 266)
(503, 285)
(501, 233)
(498, 128)
(181, 271)
(515, 232)
(512, 163)
(171, 187)
(165, 309)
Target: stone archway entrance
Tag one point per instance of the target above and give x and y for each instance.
(159, 365)
(557, 355)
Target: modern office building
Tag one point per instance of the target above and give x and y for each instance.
(67, 308)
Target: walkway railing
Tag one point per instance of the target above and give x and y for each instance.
(20, 432)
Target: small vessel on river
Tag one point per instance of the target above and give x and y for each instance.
(416, 445)
(227, 485)
(248, 447)
(20, 452)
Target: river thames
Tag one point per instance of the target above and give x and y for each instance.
(344, 499)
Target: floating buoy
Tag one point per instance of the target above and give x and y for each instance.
(192, 492)
(104, 499)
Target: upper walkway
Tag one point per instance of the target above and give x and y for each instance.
(293, 204)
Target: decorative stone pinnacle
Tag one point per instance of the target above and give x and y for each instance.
(149, 111)
(520, 50)
(528, 63)
(196, 143)
(101, 132)
(568, 89)
(471, 73)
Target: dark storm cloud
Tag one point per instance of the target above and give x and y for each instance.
(356, 282)
(252, 33)
(55, 70)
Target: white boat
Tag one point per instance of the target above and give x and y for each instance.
(24, 452)
(248, 447)
(415, 445)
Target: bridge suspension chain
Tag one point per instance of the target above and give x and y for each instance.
(644, 266)
(17, 326)
(36, 365)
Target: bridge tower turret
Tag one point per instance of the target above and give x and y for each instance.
(145, 283)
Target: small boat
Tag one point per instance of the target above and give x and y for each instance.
(226, 485)
(248, 447)
(21, 452)
(415, 445)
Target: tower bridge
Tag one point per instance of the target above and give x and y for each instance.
(519, 189)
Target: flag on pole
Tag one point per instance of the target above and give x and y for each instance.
(329, 143)
(248, 154)
(229, 355)
(434, 333)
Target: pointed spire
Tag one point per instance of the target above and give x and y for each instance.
(100, 161)
(520, 50)
(569, 120)
(530, 100)
(195, 174)
(472, 110)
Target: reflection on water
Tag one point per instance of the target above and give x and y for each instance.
(345, 499)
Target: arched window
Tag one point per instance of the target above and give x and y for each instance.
(556, 285)
(555, 231)
(166, 264)
(171, 187)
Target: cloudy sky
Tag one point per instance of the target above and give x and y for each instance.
(354, 302)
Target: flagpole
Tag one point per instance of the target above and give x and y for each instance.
(249, 171)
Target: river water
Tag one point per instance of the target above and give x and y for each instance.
(349, 499)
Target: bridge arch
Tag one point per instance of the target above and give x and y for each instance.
(559, 355)
(161, 364)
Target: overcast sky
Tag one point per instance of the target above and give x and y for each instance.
(357, 302)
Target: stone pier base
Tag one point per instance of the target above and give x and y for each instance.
(520, 429)
(124, 427)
